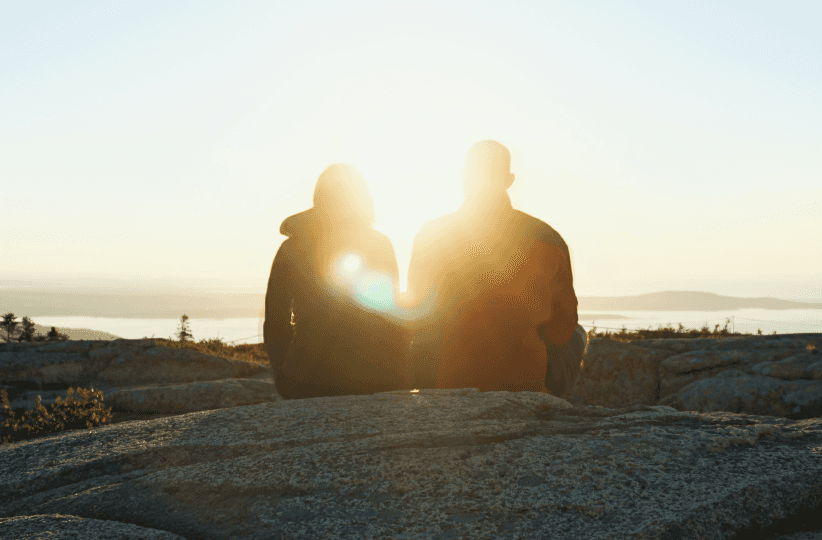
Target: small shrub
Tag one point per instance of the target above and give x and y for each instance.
(55, 335)
(82, 408)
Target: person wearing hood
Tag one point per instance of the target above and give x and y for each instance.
(330, 314)
(496, 308)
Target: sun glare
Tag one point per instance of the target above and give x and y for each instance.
(351, 264)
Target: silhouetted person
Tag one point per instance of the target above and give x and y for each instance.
(494, 290)
(328, 327)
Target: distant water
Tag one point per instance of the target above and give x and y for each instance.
(241, 330)
(249, 330)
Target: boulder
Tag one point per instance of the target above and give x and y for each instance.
(134, 372)
(442, 464)
(771, 375)
(736, 391)
(198, 396)
(616, 374)
(680, 370)
(806, 365)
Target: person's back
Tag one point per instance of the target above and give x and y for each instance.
(495, 289)
(328, 329)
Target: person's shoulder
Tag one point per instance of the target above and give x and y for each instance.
(379, 239)
(285, 250)
(437, 226)
(537, 229)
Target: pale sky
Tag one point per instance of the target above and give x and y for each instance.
(674, 145)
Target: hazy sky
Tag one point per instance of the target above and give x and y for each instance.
(674, 145)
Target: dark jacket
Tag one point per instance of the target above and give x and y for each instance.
(329, 330)
(493, 287)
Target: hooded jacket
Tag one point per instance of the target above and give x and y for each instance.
(328, 326)
(494, 289)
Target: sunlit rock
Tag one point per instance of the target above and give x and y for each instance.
(430, 464)
(617, 374)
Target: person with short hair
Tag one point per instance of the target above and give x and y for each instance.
(330, 327)
(494, 292)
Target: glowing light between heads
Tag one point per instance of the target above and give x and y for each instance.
(375, 291)
(351, 264)
(371, 289)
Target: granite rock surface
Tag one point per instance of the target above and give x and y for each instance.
(57, 527)
(196, 396)
(777, 375)
(442, 464)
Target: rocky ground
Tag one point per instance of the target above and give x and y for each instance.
(136, 376)
(432, 464)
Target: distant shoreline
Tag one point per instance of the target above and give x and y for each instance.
(77, 334)
(221, 305)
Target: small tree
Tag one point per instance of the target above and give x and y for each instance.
(54, 335)
(183, 331)
(9, 325)
(27, 332)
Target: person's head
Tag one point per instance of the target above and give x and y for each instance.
(487, 170)
(341, 194)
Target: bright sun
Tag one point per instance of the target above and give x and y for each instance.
(408, 142)
(352, 263)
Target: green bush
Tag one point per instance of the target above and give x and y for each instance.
(82, 408)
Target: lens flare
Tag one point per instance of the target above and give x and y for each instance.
(372, 290)
(351, 264)
(375, 291)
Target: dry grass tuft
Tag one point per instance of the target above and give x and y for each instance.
(253, 353)
(667, 332)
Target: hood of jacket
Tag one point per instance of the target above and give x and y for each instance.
(301, 224)
(311, 224)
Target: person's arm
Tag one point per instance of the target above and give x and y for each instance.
(426, 332)
(564, 339)
(277, 329)
(397, 327)
(563, 300)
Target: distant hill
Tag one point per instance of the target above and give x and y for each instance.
(77, 334)
(219, 303)
(686, 301)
